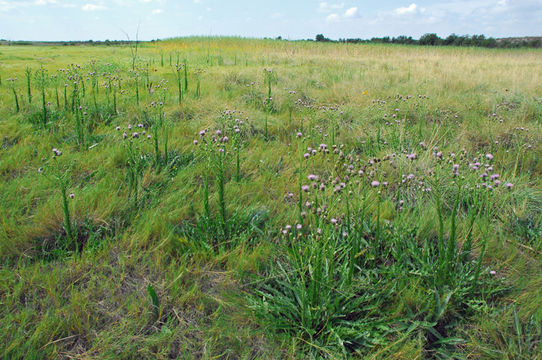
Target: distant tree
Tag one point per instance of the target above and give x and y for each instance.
(403, 40)
(451, 40)
(478, 40)
(430, 39)
(535, 43)
(490, 43)
(321, 37)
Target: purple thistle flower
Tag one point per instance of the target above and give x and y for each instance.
(375, 183)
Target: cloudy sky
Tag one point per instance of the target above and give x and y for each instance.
(292, 19)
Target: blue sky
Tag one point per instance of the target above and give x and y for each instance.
(293, 19)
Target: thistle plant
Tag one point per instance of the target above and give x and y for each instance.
(218, 152)
(269, 77)
(43, 84)
(54, 81)
(214, 152)
(197, 75)
(268, 102)
(15, 98)
(178, 69)
(28, 75)
(159, 126)
(135, 162)
(59, 177)
(136, 81)
(65, 97)
(185, 75)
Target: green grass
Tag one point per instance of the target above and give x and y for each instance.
(181, 244)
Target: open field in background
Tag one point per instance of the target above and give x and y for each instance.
(270, 200)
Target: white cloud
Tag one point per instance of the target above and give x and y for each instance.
(157, 11)
(326, 7)
(351, 13)
(93, 7)
(332, 18)
(411, 9)
(45, 2)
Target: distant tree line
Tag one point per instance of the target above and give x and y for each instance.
(71, 43)
(433, 39)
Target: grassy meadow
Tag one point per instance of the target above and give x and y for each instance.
(224, 198)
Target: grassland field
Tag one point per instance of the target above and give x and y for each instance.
(225, 198)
